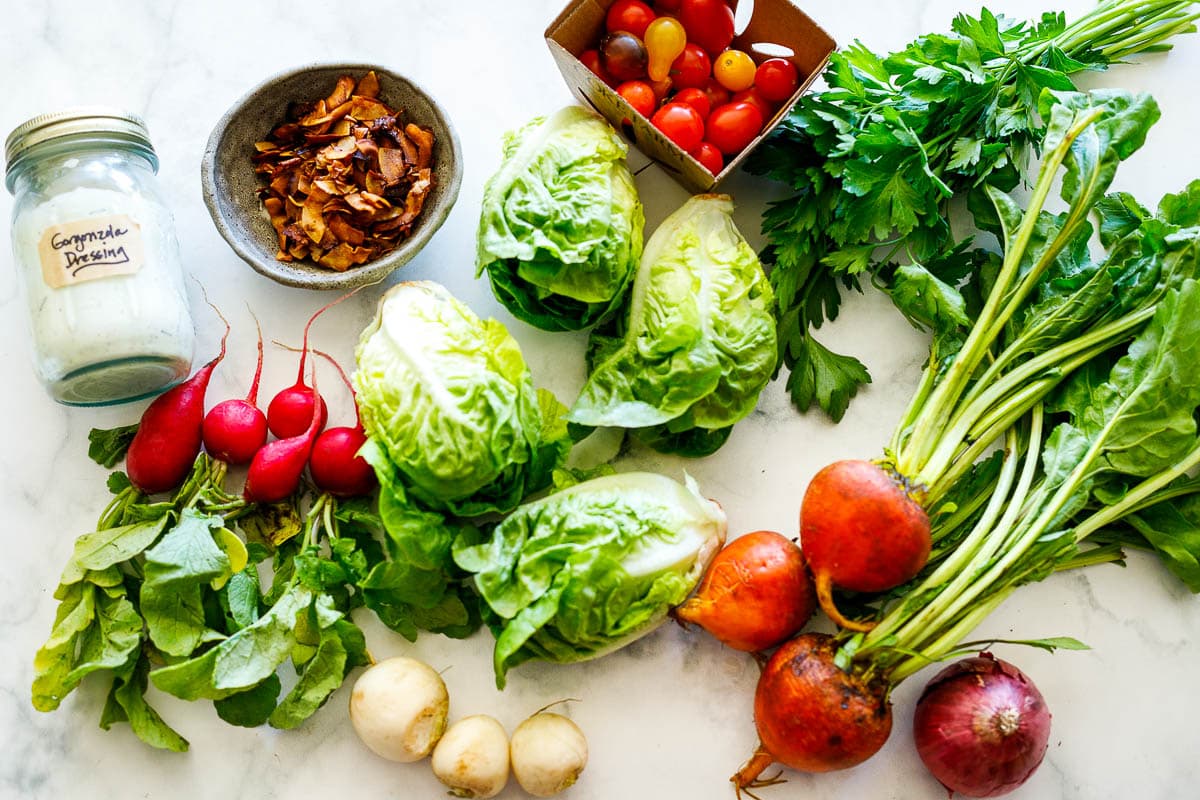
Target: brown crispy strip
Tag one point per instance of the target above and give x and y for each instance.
(343, 178)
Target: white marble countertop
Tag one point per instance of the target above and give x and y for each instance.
(669, 717)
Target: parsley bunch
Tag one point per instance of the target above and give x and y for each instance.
(876, 158)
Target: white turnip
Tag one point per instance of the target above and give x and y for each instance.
(548, 752)
(471, 758)
(398, 708)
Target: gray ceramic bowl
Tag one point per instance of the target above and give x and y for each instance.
(231, 187)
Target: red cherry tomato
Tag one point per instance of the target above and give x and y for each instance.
(777, 79)
(592, 60)
(696, 98)
(732, 126)
(629, 15)
(754, 97)
(693, 68)
(666, 6)
(718, 95)
(681, 124)
(709, 23)
(709, 157)
(640, 95)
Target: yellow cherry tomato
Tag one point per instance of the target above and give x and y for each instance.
(734, 70)
(665, 39)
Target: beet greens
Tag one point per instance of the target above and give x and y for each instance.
(1085, 370)
(876, 158)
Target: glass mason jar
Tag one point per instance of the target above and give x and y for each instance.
(97, 259)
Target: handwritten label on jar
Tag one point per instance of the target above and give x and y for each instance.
(87, 249)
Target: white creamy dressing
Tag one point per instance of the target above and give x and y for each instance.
(137, 324)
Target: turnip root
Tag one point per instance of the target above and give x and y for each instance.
(471, 758)
(548, 751)
(398, 708)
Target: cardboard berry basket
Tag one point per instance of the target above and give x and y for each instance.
(773, 23)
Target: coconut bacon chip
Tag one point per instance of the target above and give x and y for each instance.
(344, 179)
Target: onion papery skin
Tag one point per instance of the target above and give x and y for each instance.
(981, 727)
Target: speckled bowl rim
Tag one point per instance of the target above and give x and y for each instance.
(373, 271)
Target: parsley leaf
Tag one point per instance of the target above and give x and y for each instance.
(823, 377)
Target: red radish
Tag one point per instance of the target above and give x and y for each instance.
(169, 435)
(235, 429)
(335, 465)
(811, 715)
(290, 410)
(861, 529)
(755, 594)
(981, 727)
(276, 468)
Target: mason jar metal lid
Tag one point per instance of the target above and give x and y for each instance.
(71, 122)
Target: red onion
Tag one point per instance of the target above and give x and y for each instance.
(981, 727)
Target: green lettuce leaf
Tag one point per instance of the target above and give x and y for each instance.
(592, 567)
(560, 229)
(699, 339)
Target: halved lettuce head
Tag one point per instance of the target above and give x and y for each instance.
(449, 404)
(560, 231)
(592, 567)
(698, 342)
